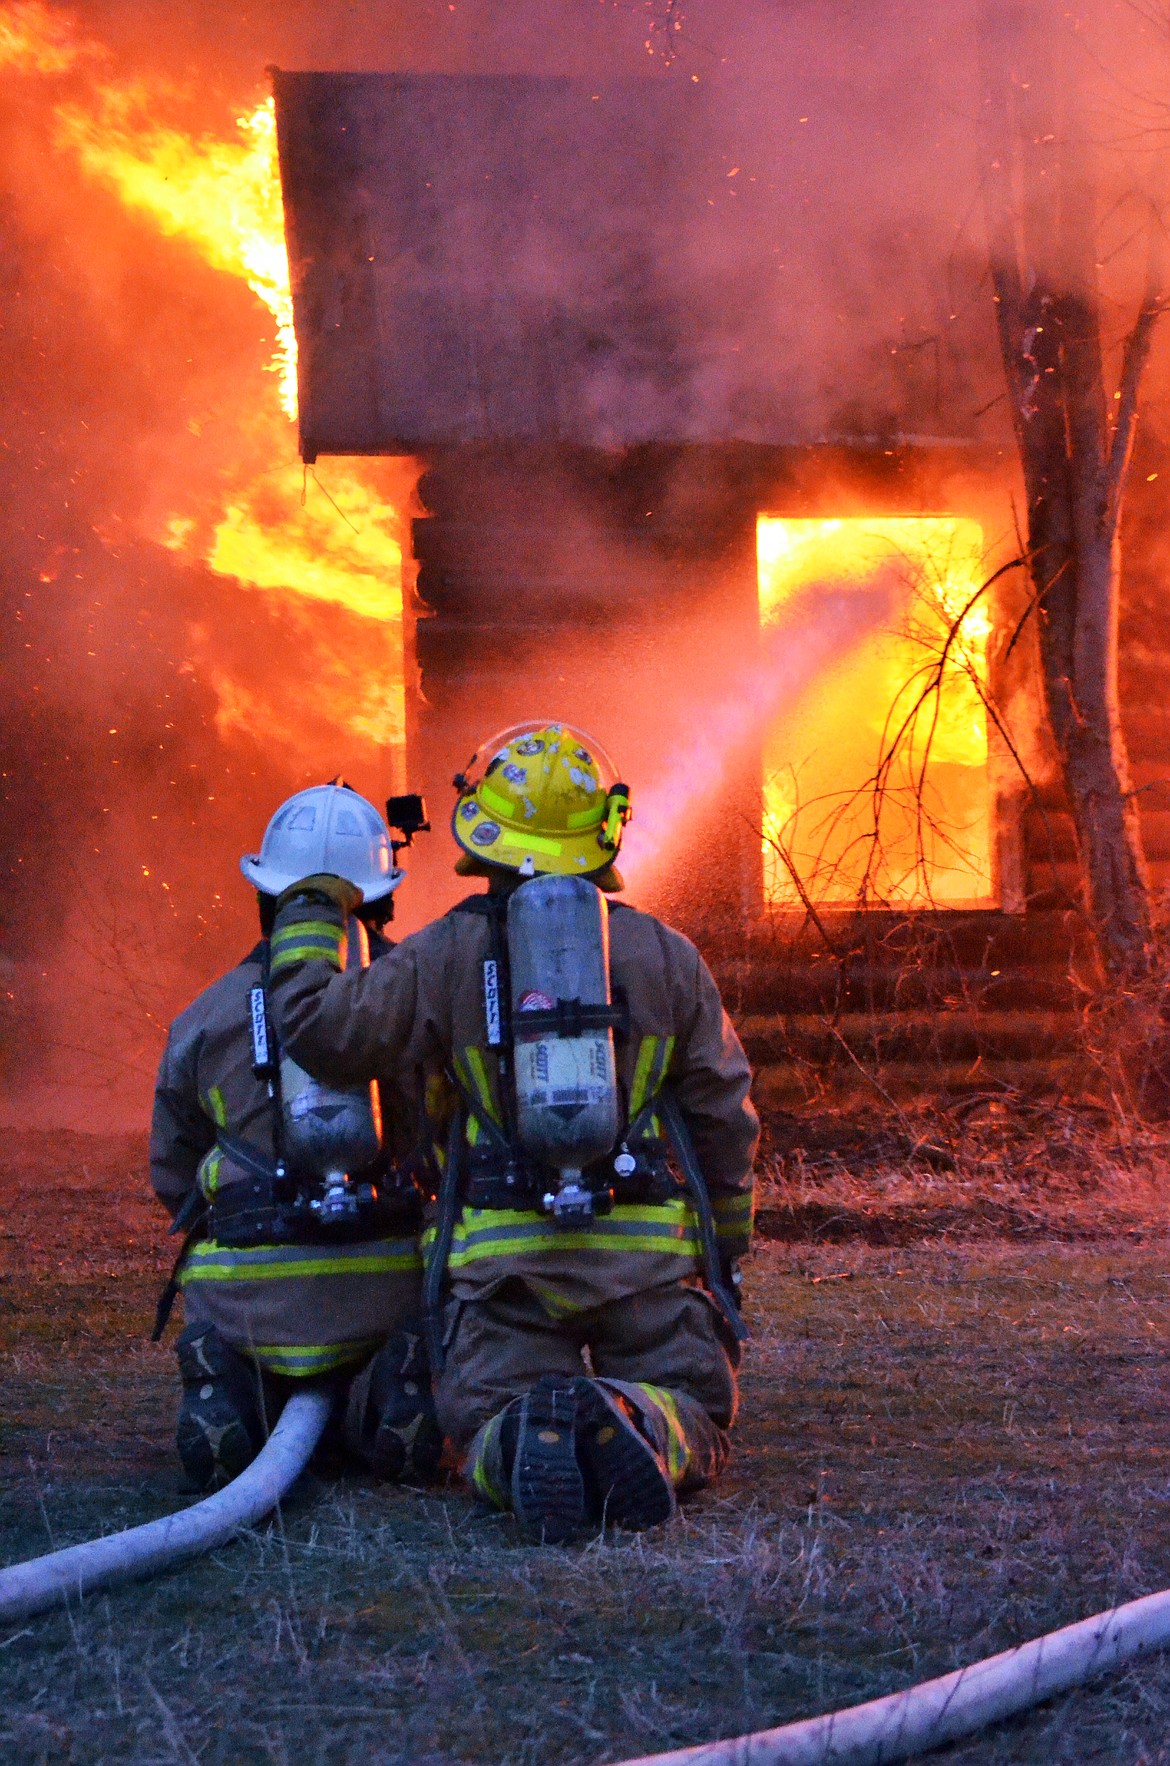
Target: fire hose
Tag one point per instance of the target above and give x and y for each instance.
(43, 1582)
(927, 1716)
(915, 1721)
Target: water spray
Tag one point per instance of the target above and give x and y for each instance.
(819, 627)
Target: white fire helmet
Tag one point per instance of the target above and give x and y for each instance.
(329, 830)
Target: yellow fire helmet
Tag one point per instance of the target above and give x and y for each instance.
(541, 799)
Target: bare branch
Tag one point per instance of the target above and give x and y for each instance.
(787, 861)
(1133, 362)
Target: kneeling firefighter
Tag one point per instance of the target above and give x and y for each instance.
(301, 1258)
(597, 1188)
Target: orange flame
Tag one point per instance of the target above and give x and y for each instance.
(934, 838)
(274, 532)
(223, 197)
(35, 39)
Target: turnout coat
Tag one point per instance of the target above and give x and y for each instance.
(298, 1310)
(423, 1006)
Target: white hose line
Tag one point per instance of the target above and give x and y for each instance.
(925, 1717)
(30, 1587)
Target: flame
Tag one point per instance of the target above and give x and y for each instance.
(222, 197)
(275, 531)
(35, 39)
(823, 751)
(336, 548)
(285, 533)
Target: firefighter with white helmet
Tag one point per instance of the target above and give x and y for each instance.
(301, 1204)
(597, 1189)
(335, 825)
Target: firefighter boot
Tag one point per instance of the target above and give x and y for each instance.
(630, 1484)
(548, 1488)
(221, 1425)
(390, 1422)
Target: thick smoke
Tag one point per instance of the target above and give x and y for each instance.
(134, 372)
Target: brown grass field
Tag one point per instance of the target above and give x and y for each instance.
(955, 1434)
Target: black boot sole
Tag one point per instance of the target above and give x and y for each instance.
(631, 1487)
(548, 1488)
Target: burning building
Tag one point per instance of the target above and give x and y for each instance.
(562, 296)
(792, 613)
(690, 384)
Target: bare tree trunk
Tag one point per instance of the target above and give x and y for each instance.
(1041, 228)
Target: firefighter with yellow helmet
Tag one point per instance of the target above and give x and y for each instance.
(301, 1204)
(597, 1186)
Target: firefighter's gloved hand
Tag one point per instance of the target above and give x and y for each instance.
(344, 896)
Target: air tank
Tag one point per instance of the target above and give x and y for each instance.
(331, 1130)
(566, 1078)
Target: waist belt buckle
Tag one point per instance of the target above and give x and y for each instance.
(571, 1203)
(343, 1204)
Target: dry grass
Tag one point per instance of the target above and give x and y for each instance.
(1001, 1166)
(950, 1441)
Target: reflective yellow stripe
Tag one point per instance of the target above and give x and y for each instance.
(647, 1049)
(308, 932)
(650, 1070)
(288, 954)
(675, 1212)
(479, 1072)
(472, 1220)
(531, 843)
(555, 1304)
(217, 1106)
(303, 1360)
(667, 1228)
(734, 1214)
(677, 1452)
(586, 818)
(300, 928)
(502, 806)
(560, 1240)
(207, 1176)
(211, 1262)
(472, 1070)
(303, 941)
(481, 1475)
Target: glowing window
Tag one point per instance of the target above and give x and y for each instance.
(876, 785)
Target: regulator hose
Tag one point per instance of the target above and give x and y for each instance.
(928, 1716)
(43, 1582)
